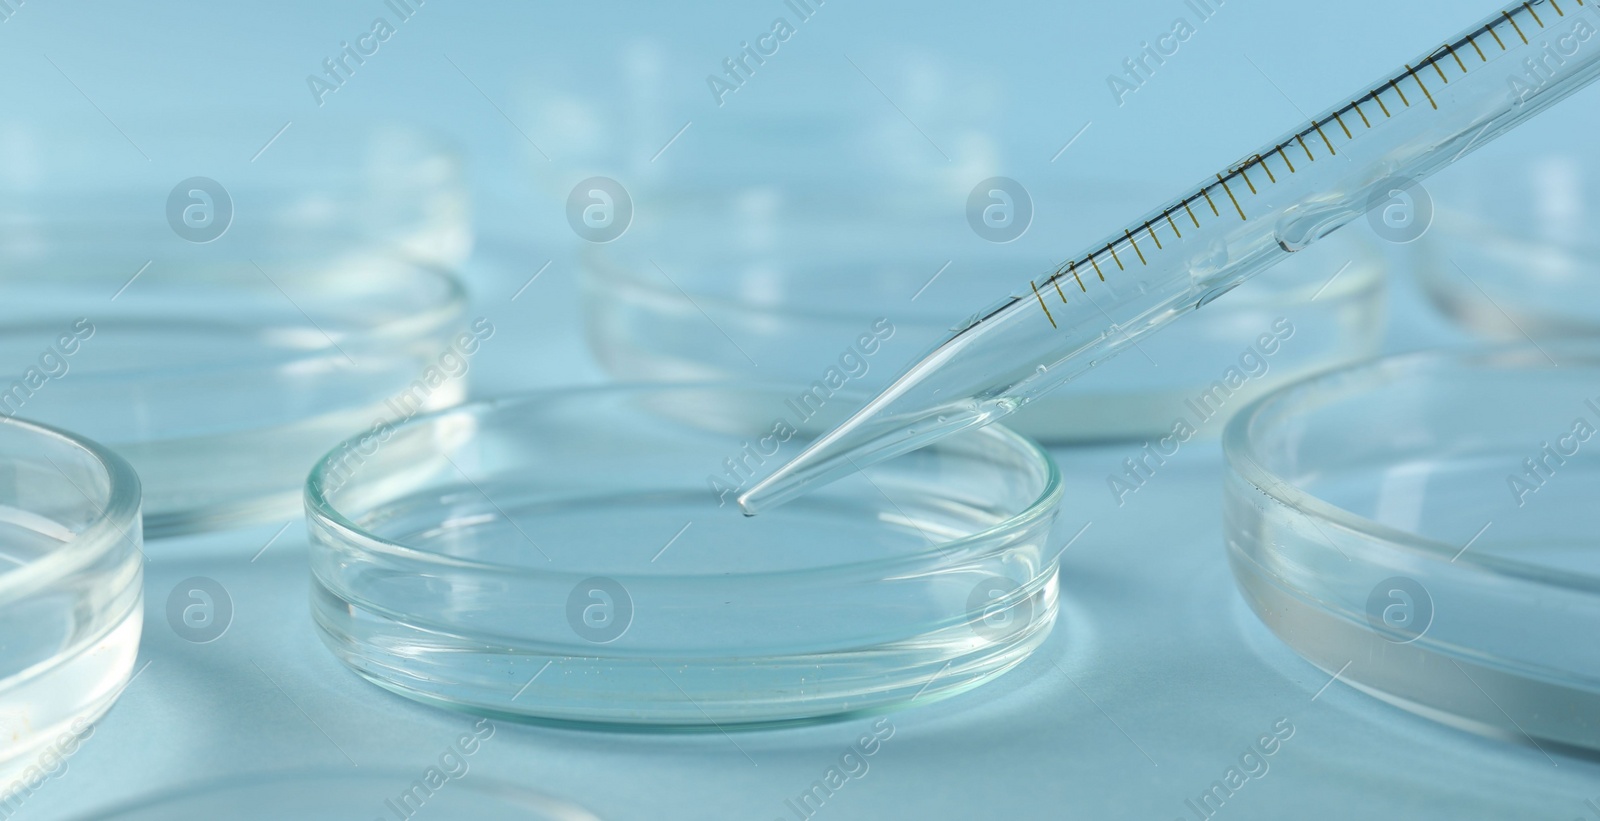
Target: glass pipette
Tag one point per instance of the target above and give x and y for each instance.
(1241, 221)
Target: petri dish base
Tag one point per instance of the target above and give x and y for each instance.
(577, 557)
(1422, 526)
(71, 606)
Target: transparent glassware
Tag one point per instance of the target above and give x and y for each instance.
(77, 189)
(1422, 526)
(1513, 250)
(219, 300)
(795, 281)
(577, 557)
(222, 381)
(1017, 348)
(71, 595)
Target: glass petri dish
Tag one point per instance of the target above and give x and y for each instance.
(1422, 527)
(221, 381)
(71, 602)
(440, 790)
(220, 297)
(577, 557)
(186, 185)
(1513, 251)
(795, 281)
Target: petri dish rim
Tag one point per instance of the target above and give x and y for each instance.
(447, 300)
(318, 507)
(606, 271)
(389, 314)
(114, 519)
(763, 281)
(1239, 448)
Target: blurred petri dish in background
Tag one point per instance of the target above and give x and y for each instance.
(438, 790)
(212, 186)
(1423, 527)
(1513, 250)
(577, 557)
(220, 305)
(793, 280)
(222, 381)
(71, 600)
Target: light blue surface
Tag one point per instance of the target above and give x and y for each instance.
(1156, 680)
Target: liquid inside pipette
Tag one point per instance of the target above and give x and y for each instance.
(1276, 201)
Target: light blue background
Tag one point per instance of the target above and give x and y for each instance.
(1156, 679)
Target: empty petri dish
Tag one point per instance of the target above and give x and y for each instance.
(578, 557)
(439, 789)
(71, 603)
(221, 382)
(194, 187)
(225, 307)
(796, 282)
(1512, 252)
(1422, 527)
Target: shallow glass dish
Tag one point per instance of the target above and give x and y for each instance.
(226, 184)
(221, 381)
(1513, 250)
(796, 278)
(1423, 527)
(71, 601)
(577, 557)
(440, 789)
